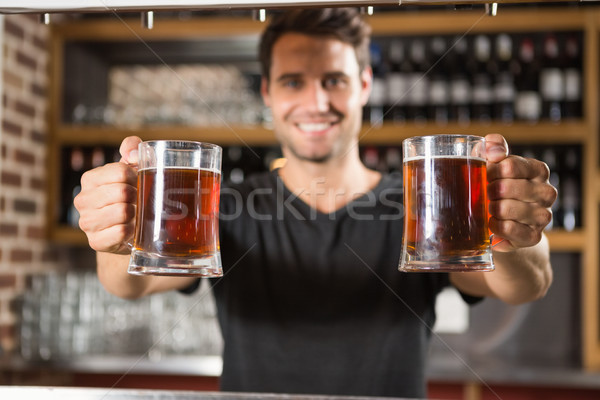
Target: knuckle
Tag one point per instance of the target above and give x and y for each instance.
(121, 173)
(545, 175)
(543, 217)
(535, 236)
(96, 243)
(508, 167)
(552, 194)
(83, 224)
(86, 178)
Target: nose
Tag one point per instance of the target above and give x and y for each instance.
(316, 97)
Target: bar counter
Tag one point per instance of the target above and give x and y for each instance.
(441, 369)
(51, 393)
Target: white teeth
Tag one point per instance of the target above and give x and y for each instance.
(314, 127)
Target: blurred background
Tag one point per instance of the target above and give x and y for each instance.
(73, 89)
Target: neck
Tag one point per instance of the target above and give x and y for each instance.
(328, 186)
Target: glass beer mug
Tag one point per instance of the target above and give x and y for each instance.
(177, 213)
(445, 198)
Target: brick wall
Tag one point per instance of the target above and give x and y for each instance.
(23, 136)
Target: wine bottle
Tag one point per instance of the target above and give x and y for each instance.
(375, 105)
(439, 91)
(504, 85)
(482, 80)
(460, 86)
(397, 82)
(572, 107)
(418, 82)
(551, 80)
(549, 157)
(571, 189)
(528, 103)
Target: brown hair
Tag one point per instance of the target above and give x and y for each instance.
(344, 24)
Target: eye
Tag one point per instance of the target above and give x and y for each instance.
(334, 82)
(292, 83)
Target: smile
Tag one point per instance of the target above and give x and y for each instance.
(314, 127)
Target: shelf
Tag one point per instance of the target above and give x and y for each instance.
(68, 234)
(561, 240)
(431, 22)
(568, 132)
(224, 135)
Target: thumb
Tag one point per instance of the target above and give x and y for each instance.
(128, 150)
(496, 148)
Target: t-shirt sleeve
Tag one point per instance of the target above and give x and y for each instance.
(191, 288)
(469, 299)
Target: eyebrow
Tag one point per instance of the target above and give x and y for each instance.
(296, 75)
(285, 77)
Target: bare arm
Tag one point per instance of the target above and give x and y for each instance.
(520, 276)
(112, 273)
(106, 205)
(520, 201)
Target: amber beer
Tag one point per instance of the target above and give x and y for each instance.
(178, 212)
(454, 220)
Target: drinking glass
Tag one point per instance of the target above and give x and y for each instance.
(177, 211)
(445, 198)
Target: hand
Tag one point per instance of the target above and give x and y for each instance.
(520, 196)
(106, 203)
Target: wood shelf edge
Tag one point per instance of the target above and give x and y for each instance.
(566, 241)
(388, 133)
(68, 235)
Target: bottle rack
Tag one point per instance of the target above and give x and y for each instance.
(384, 131)
(477, 78)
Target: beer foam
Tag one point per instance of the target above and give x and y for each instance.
(417, 158)
(213, 170)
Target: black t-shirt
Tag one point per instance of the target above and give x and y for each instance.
(313, 302)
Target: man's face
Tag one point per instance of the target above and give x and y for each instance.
(316, 94)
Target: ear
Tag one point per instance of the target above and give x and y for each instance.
(264, 91)
(366, 82)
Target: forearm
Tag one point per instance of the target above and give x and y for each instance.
(112, 273)
(522, 275)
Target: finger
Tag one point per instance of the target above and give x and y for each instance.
(525, 213)
(128, 150)
(102, 196)
(515, 167)
(543, 194)
(106, 217)
(518, 234)
(112, 239)
(109, 173)
(496, 147)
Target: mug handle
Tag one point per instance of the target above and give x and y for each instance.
(498, 240)
(130, 241)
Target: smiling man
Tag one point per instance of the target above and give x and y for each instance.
(311, 300)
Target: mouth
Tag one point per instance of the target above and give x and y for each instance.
(315, 128)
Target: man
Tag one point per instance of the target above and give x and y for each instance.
(311, 300)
